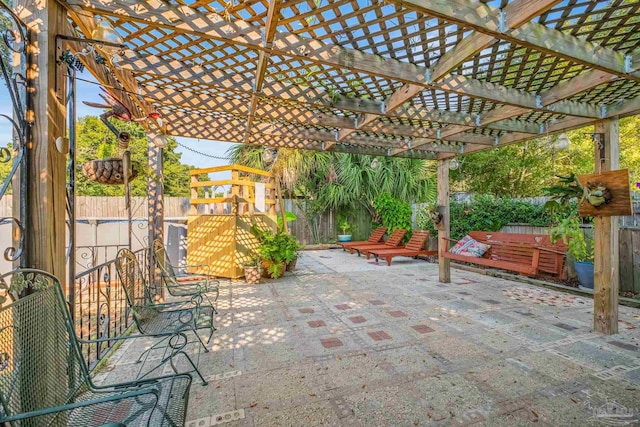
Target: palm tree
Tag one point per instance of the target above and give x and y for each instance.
(321, 181)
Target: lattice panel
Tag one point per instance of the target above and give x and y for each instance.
(439, 100)
(618, 90)
(520, 68)
(253, 11)
(335, 81)
(374, 26)
(539, 117)
(614, 23)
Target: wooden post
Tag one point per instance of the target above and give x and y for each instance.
(155, 194)
(444, 265)
(46, 169)
(606, 247)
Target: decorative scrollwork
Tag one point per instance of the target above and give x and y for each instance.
(21, 281)
(13, 253)
(15, 38)
(103, 320)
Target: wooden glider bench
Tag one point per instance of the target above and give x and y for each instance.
(527, 254)
(413, 248)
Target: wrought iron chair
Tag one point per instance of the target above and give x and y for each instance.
(44, 380)
(168, 321)
(205, 284)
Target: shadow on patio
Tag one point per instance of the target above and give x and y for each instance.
(343, 341)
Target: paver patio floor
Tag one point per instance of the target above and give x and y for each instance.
(343, 341)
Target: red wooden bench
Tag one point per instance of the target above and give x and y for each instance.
(527, 254)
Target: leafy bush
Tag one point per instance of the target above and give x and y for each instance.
(392, 213)
(487, 213)
(276, 248)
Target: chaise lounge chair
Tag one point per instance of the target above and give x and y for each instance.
(394, 241)
(412, 249)
(375, 237)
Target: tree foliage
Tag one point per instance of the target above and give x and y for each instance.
(523, 169)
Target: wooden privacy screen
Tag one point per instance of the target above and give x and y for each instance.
(219, 238)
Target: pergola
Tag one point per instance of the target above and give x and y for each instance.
(422, 79)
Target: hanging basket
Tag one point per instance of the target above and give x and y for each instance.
(107, 171)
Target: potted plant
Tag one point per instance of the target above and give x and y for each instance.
(108, 169)
(275, 251)
(253, 271)
(580, 249)
(291, 252)
(345, 227)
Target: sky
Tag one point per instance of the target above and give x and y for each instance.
(90, 92)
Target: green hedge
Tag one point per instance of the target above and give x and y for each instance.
(487, 213)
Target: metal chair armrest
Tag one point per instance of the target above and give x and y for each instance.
(80, 404)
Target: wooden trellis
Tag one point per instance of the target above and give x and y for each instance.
(425, 79)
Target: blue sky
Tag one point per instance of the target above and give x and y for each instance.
(90, 92)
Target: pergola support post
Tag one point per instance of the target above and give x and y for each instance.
(444, 265)
(606, 247)
(45, 183)
(155, 194)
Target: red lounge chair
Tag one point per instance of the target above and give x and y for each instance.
(412, 249)
(394, 241)
(375, 237)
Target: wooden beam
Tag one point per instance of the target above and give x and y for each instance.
(263, 58)
(237, 104)
(606, 245)
(444, 264)
(561, 92)
(45, 189)
(196, 125)
(234, 132)
(155, 210)
(486, 19)
(211, 26)
(618, 110)
(123, 78)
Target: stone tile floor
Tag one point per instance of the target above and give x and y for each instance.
(343, 341)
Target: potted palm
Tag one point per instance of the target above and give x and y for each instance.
(580, 249)
(345, 227)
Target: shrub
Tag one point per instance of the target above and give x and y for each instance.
(393, 213)
(487, 213)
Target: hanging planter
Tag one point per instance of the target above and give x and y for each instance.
(108, 171)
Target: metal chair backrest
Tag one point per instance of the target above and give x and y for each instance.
(40, 360)
(164, 263)
(135, 286)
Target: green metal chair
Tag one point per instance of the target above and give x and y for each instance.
(171, 280)
(168, 321)
(44, 380)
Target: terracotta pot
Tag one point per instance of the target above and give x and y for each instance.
(107, 171)
(265, 270)
(292, 265)
(252, 274)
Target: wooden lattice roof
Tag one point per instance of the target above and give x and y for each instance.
(418, 78)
